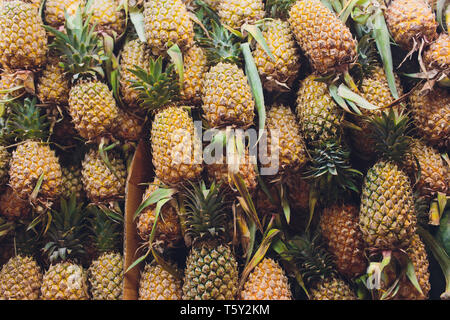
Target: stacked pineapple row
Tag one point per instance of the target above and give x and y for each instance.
(82, 83)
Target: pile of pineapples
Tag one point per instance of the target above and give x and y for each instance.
(354, 102)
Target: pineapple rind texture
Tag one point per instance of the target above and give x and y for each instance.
(267, 282)
(195, 68)
(53, 86)
(65, 281)
(157, 284)
(438, 53)
(235, 13)
(105, 276)
(332, 289)
(54, 10)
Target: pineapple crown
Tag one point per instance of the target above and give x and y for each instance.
(25, 122)
(367, 58)
(105, 232)
(390, 131)
(67, 232)
(205, 212)
(221, 45)
(311, 258)
(27, 241)
(279, 8)
(80, 46)
(331, 172)
(157, 87)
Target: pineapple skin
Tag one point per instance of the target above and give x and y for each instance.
(339, 225)
(53, 86)
(134, 53)
(12, 206)
(107, 18)
(319, 116)
(100, 184)
(298, 191)
(195, 68)
(410, 21)
(54, 10)
(167, 22)
(65, 281)
(20, 279)
(227, 97)
(157, 284)
(128, 128)
(174, 153)
(93, 109)
(285, 68)
(105, 276)
(332, 289)
(5, 157)
(325, 40)
(387, 214)
(28, 162)
(291, 149)
(10, 80)
(438, 54)
(431, 115)
(235, 13)
(72, 182)
(267, 282)
(23, 40)
(211, 273)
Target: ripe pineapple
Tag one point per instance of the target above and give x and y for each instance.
(431, 112)
(53, 85)
(195, 67)
(267, 282)
(317, 268)
(319, 116)
(283, 132)
(410, 22)
(340, 229)
(434, 173)
(167, 23)
(387, 213)
(134, 53)
(298, 191)
(65, 279)
(105, 274)
(128, 128)
(12, 84)
(5, 156)
(33, 158)
(168, 230)
(157, 284)
(100, 183)
(21, 276)
(54, 10)
(235, 13)
(72, 182)
(278, 74)
(106, 17)
(211, 270)
(92, 106)
(438, 54)
(12, 206)
(23, 41)
(326, 41)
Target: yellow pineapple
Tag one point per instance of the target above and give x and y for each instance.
(235, 13)
(107, 17)
(195, 67)
(12, 206)
(54, 10)
(438, 54)
(157, 284)
(53, 86)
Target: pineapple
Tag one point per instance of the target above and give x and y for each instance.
(157, 284)
(128, 128)
(12, 206)
(33, 158)
(278, 74)
(53, 86)
(5, 156)
(13, 84)
(195, 67)
(340, 229)
(102, 182)
(21, 275)
(134, 53)
(434, 173)
(23, 41)
(106, 17)
(211, 269)
(105, 274)
(431, 112)
(319, 115)
(298, 191)
(167, 23)
(283, 132)
(438, 54)
(325, 40)
(54, 10)
(168, 230)
(72, 182)
(267, 282)
(317, 268)
(65, 279)
(411, 21)
(92, 106)
(387, 213)
(235, 13)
